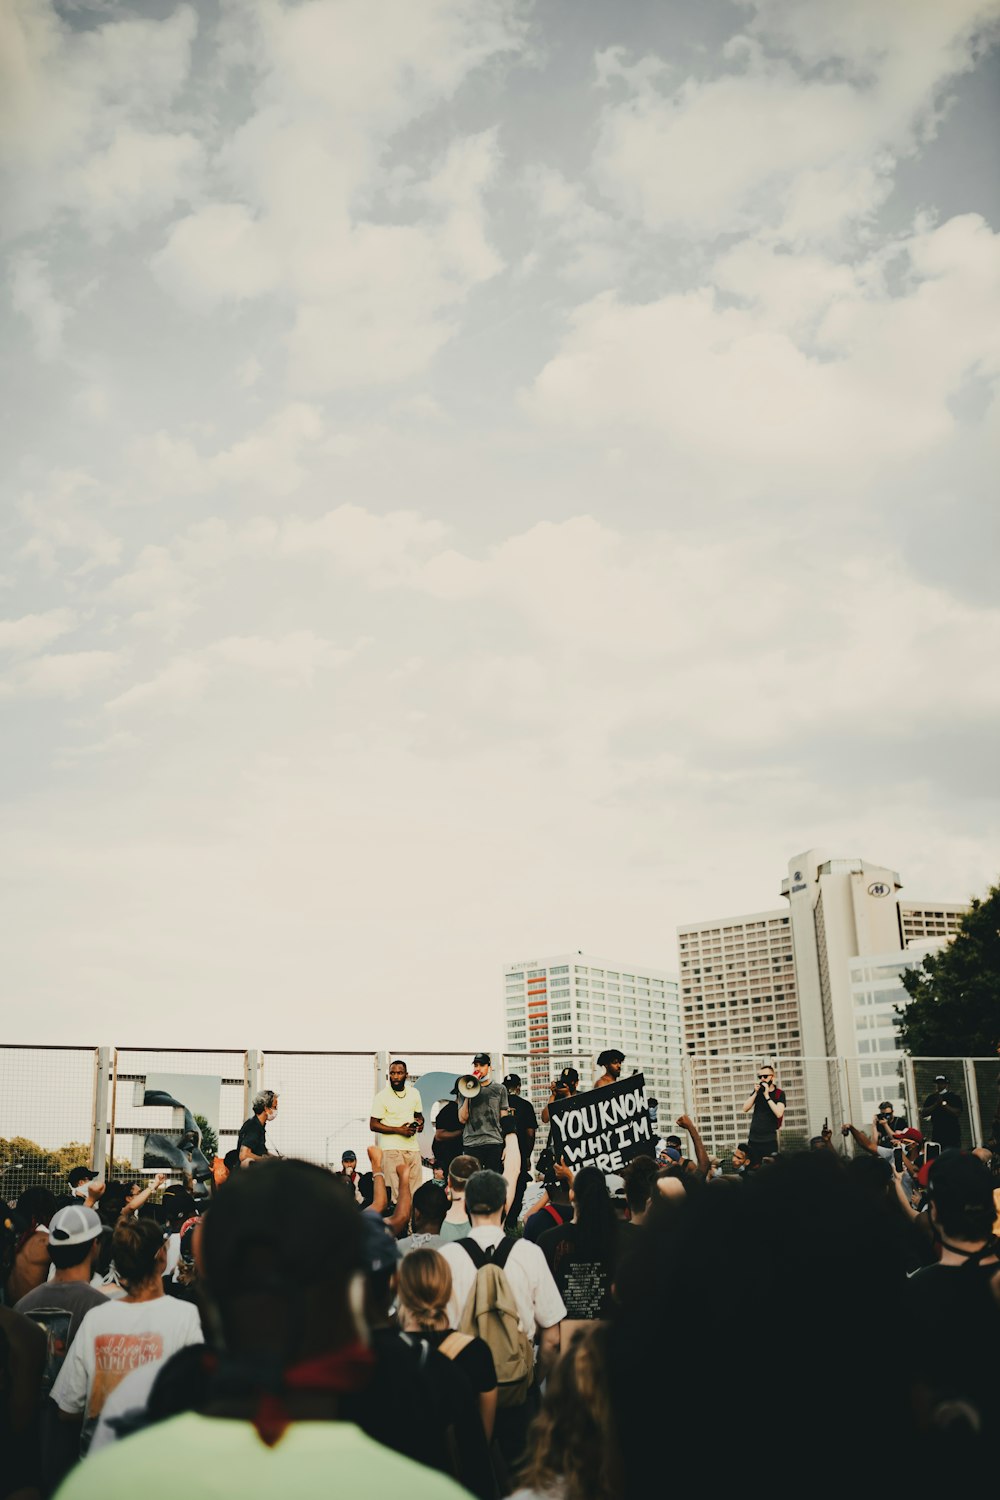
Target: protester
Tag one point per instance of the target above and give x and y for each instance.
(563, 1087)
(251, 1143)
(535, 1300)
(397, 1118)
(447, 1134)
(360, 1182)
(951, 1305)
(573, 1447)
(24, 1245)
(424, 1291)
(455, 1225)
(553, 1208)
(583, 1254)
(944, 1110)
(481, 1117)
(525, 1128)
(611, 1061)
(458, 1369)
(59, 1305)
(22, 1365)
(430, 1204)
(767, 1102)
(141, 1328)
(276, 1411)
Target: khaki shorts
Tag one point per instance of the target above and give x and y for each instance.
(393, 1160)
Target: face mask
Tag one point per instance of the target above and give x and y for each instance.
(81, 1190)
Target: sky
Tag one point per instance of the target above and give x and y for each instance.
(480, 480)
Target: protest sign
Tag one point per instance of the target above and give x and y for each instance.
(604, 1128)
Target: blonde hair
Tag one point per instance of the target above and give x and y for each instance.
(424, 1286)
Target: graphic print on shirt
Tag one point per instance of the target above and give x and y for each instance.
(117, 1355)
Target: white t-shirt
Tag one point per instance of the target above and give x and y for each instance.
(539, 1304)
(131, 1395)
(114, 1340)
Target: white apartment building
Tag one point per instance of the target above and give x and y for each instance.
(786, 984)
(568, 1008)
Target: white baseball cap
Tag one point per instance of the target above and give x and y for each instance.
(74, 1225)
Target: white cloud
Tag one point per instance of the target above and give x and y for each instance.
(821, 369)
(32, 296)
(79, 111)
(31, 632)
(791, 143)
(62, 527)
(66, 675)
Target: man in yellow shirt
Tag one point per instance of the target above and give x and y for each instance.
(397, 1120)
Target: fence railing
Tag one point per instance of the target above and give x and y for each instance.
(99, 1106)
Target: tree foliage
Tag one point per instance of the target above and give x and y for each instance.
(954, 1008)
(209, 1139)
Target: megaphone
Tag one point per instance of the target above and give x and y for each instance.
(469, 1086)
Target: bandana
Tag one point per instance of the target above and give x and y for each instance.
(342, 1370)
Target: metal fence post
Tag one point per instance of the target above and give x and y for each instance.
(972, 1094)
(253, 1064)
(912, 1102)
(99, 1127)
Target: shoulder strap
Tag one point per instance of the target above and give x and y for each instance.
(474, 1251)
(501, 1252)
(553, 1214)
(453, 1345)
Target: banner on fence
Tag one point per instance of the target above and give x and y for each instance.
(604, 1128)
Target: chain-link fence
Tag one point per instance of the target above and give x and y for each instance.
(126, 1111)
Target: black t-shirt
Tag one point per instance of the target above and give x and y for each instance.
(475, 1361)
(954, 1326)
(944, 1126)
(254, 1136)
(455, 1407)
(584, 1276)
(525, 1119)
(549, 1217)
(763, 1124)
(447, 1119)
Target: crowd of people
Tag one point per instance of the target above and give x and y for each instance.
(562, 1335)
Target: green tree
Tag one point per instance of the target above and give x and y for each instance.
(209, 1139)
(954, 1008)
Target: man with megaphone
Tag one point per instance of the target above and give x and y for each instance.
(483, 1105)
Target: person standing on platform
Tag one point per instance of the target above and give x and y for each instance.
(768, 1104)
(944, 1110)
(251, 1144)
(480, 1117)
(525, 1127)
(397, 1120)
(611, 1061)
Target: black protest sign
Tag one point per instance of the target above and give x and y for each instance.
(604, 1128)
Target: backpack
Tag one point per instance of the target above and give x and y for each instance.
(491, 1314)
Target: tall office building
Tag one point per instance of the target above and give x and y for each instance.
(785, 984)
(567, 1009)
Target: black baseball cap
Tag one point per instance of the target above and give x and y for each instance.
(482, 1060)
(512, 1081)
(81, 1174)
(348, 1156)
(570, 1075)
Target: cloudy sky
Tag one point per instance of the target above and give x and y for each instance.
(480, 479)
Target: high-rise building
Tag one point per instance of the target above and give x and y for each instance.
(571, 1007)
(784, 984)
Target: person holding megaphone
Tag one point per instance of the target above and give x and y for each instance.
(483, 1105)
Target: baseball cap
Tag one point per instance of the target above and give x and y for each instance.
(81, 1174)
(570, 1075)
(485, 1192)
(481, 1059)
(612, 1055)
(74, 1225)
(671, 1153)
(379, 1249)
(940, 1078)
(911, 1134)
(348, 1156)
(512, 1081)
